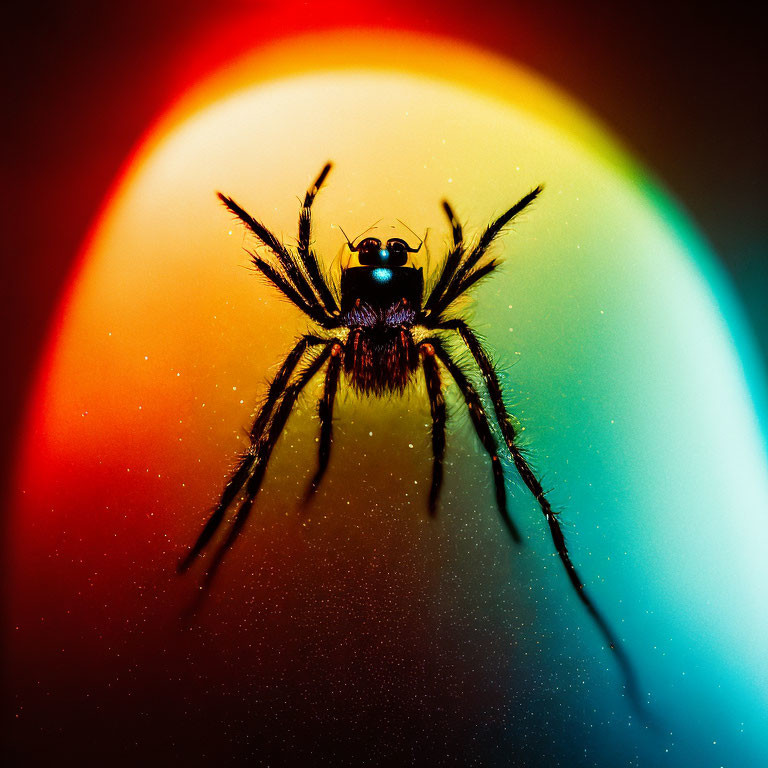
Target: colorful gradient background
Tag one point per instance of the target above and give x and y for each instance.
(362, 632)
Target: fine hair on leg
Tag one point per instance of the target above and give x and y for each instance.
(534, 486)
(483, 429)
(438, 412)
(306, 254)
(240, 475)
(451, 261)
(325, 412)
(287, 274)
(458, 272)
(263, 451)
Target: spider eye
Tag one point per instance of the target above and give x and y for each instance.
(398, 251)
(368, 251)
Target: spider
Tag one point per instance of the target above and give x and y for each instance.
(380, 332)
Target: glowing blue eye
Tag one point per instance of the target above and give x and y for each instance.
(382, 275)
(384, 253)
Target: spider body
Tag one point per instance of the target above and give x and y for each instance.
(379, 330)
(379, 306)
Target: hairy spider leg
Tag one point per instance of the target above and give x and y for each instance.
(307, 255)
(243, 471)
(451, 261)
(263, 451)
(456, 229)
(438, 412)
(534, 486)
(458, 287)
(483, 429)
(286, 288)
(286, 260)
(288, 277)
(325, 412)
(278, 383)
(459, 274)
(493, 230)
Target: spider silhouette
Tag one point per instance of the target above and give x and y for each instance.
(377, 330)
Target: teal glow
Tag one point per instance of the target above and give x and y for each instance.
(384, 253)
(382, 275)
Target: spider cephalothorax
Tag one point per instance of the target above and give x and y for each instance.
(379, 331)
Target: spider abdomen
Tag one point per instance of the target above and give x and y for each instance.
(380, 359)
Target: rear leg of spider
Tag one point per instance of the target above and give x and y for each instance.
(249, 461)
(533, 484)
(483, 430)
(263, 454)
(558, 539)
(325, 412)
(438, 412)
